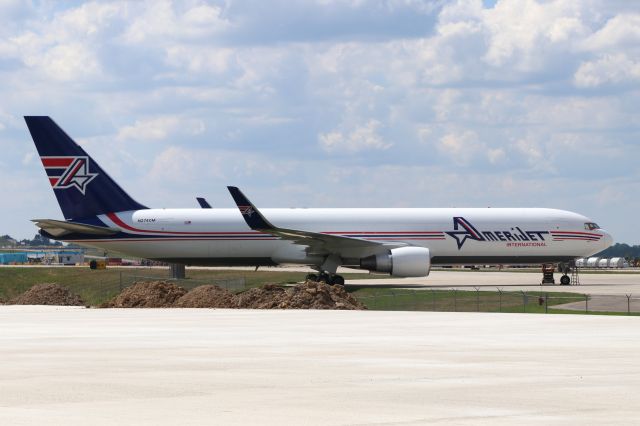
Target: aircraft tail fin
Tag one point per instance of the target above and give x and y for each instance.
(82, 188)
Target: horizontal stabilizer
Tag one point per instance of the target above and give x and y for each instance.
(58, 228)
(203, 203)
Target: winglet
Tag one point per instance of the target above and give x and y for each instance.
(203, 203)
(249, 212)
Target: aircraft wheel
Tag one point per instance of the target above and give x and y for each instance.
(311, 277)
(324, 278)
(565, 280)
(337, 280)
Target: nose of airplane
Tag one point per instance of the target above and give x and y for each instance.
(607, 239)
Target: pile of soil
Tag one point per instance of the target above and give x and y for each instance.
(269, 296)
(47, 294)
(309, 295)
(315, 295)
(149, 294)
(207, 296)
(162, 294)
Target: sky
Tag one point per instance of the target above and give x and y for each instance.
(327, 103)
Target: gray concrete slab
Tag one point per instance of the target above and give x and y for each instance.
(76, 366)
(603, 303)
(610, 284)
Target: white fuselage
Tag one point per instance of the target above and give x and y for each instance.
(221, 236)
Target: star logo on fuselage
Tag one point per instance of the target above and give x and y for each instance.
(463, 231)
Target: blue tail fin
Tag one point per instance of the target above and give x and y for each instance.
(82, 188)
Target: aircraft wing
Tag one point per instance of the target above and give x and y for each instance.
(58, 228)
(318, 242)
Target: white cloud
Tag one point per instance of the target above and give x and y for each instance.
(67, 62)
(521, 30)
(532, 152)
(361, 138)
(496, 156)
(163, 20)
(160, 128)
(89, 19)
(63, 48)
(174, 164)
(461, 147)
(620, 31)
(199, 59)
(608, 69)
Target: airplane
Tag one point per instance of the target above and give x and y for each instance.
(403, 242)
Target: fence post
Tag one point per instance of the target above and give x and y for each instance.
(586, 303)
(500, 300)
(628, 304)
(120, 280)
(477, 299)
(546, 303)
(455, 300)
(433, 296)
(524, 301)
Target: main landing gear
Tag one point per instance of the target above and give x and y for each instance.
(327, 271)
(323, 277)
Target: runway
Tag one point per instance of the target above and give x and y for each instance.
(170, 366)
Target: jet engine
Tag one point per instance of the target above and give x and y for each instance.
(400, 262)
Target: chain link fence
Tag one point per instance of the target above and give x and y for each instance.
(484, 300)
(234, 285)
(108, 286)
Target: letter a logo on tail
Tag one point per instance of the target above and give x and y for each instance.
(68, 172)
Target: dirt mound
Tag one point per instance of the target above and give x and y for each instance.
(208, 296)
(149, 294)
(314, 295)
(48, 294)
(269, 296)
(309, 295)
(162, 294)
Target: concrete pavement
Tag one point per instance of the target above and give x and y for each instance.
(76, 366)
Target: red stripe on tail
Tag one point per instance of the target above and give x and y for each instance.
(57, 161)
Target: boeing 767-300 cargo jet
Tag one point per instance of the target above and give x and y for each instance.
(402, 242)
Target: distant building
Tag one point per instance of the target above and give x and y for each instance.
(13, 258)
(56, 257)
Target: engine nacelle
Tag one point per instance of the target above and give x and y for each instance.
(400, 262)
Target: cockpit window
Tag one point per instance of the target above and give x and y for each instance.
(590, 226)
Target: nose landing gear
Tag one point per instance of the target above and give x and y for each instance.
(565, 269)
